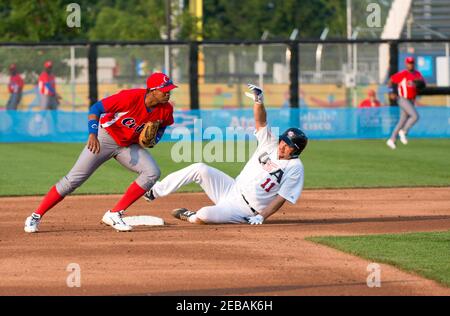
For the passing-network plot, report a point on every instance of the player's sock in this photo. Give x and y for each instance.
(133, 193)
(51, 199)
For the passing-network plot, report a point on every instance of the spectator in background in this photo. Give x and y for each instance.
(15, 88)
(47, 88)
(371, 100)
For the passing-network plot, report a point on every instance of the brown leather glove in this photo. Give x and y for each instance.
(147, 137)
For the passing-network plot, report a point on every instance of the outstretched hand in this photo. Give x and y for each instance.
(257, 95)
(255, 220)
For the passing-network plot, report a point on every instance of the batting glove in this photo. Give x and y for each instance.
(255, 220)
(258, 94)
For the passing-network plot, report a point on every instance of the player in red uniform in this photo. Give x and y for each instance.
(121, 118)
(371, 100)
(15, 87)
(408, 81)
(47, 88)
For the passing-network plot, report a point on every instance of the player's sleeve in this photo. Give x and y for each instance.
(49, 87)
(292, 187)
(265, 136)
(41, 82)
(396, 78)
(119, 102)
(420, 76)
(97, 108)
(21, 83)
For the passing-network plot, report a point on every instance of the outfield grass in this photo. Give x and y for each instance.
(427, 254)
(31, 168)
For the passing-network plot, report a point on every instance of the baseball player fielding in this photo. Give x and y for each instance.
(124, 117)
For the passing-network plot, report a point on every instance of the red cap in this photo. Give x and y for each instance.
(12, 67)
(159, 81)
(48, 64)
(410, 60)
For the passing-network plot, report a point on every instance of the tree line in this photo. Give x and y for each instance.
(46, 20)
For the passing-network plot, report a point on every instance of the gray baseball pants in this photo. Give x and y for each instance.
(49, 102)
(408, 117)
(134, 157)
(13, 101)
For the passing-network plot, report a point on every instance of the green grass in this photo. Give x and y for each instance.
(31, 168)
(427, 254)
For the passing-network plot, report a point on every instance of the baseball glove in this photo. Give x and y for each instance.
(420, 84)
(147, 137)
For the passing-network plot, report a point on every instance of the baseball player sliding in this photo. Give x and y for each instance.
(273, 175)
(130, 121)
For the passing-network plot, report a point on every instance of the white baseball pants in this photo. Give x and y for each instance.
(229, 206)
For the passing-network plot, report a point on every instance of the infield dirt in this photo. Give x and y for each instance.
(184, 259)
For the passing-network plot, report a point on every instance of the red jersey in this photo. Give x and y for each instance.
(126, 114)
(47, 84)
(405, 80)
(15, 84)
(369, 104)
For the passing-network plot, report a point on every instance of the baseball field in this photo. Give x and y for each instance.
(362, 204)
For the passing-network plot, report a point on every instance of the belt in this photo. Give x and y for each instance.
(253, 210)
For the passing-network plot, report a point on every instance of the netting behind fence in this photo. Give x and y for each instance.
(331, 75)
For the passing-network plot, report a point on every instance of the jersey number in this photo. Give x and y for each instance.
(266, 186)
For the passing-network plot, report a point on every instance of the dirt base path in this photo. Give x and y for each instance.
(184, 259)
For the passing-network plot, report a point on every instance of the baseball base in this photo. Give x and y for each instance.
(143, 220)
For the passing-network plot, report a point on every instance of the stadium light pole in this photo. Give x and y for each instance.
(355, 65)
(261, 60)
(72, 75)
(319, 50)
(349, 33)
(196, 10)
(447, 59)
(167, 50)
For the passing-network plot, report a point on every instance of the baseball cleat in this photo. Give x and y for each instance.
(32, 223)
(148, 196)
(391, 144)
(114, 219)
(402, 136)
(182, 213)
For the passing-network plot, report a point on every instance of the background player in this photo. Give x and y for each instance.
(408, 81)
(47, 88)
(371, 101)
(15, 87)
(273, 175)
(123, 117)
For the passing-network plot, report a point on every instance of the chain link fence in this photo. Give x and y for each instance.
(330, 74)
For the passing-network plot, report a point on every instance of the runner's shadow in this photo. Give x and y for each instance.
(331, 221)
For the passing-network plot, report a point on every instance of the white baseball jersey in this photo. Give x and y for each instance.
(264, 176)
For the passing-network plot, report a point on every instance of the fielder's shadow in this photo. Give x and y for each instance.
(103, 229)
(262, 289)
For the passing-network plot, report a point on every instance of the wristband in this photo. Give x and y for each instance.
(93, 127)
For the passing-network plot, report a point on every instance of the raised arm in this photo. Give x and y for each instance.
(259, 112)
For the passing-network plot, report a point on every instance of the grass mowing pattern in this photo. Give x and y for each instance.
(427, 254)
(31, 168)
